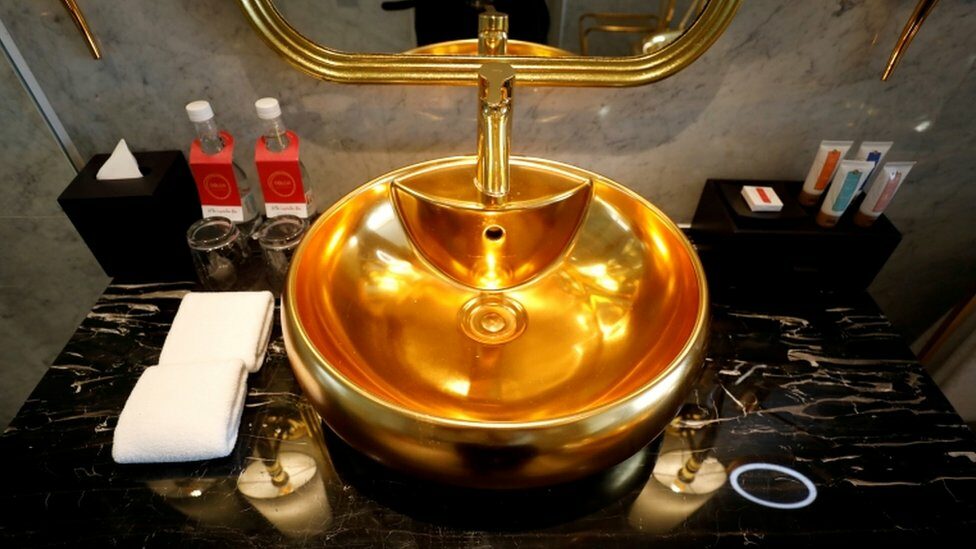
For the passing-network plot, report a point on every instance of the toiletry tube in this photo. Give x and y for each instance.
(873, 151)
(849, 178)
(824, 165)
(889, 180)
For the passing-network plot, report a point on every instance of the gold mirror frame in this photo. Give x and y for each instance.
(384, 68)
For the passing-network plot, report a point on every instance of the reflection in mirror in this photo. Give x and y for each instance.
(536, 27)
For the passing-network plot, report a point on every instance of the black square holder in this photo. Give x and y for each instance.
(136, 228)
(785, 250)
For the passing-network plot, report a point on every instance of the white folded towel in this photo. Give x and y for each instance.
(182, 412)
(219, 325)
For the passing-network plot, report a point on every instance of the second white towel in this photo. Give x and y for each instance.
(182, 412)
(220, 325)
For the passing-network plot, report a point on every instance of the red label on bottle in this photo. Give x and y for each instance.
(216, 181)
(281, 179)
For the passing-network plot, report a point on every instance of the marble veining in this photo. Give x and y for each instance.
(819, 386)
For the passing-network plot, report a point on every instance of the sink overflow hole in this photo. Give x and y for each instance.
(494, 232)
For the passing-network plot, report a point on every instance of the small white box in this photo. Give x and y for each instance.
(761, 199)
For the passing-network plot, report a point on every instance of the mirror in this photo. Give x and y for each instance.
(548, 42)
(610, 28)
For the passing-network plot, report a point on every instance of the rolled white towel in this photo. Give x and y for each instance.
(182, 412)
(219, 325)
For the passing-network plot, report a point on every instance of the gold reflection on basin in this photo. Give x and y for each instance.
(495, 345)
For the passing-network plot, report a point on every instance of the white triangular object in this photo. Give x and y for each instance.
(121, 165)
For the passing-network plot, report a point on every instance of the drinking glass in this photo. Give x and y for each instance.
(278, 237)
(219, 252)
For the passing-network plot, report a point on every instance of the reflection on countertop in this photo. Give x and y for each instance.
(820, 388)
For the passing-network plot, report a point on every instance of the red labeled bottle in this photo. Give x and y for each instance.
(284, 181)
(221, 184)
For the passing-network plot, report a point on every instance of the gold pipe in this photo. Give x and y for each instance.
(495, 83)
(492, 33)
(922, 10)
(79, 18)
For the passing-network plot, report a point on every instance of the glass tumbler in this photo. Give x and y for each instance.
(219, 252)
(278, 237)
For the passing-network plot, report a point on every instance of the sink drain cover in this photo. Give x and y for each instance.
(492, 319)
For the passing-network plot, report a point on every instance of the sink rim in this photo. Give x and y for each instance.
(296, 329)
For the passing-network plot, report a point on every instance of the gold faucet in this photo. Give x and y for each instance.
(495, 83)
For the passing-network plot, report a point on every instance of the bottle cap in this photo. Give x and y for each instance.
(199, 111)
(267, 108)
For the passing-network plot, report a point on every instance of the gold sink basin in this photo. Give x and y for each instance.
(523, 342)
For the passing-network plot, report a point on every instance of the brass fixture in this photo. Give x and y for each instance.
(79, 18)
(495, 84)
(492, 33)
(329, 64)
(922, 10)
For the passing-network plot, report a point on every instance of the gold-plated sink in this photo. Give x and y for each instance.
(492, 321)
(597, 347)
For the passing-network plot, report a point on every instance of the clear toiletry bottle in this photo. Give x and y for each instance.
(286, 192)
(211, 144)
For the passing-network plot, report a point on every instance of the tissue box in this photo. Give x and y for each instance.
(136, 228)
(784, 250)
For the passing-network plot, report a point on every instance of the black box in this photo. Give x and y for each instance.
(136, 228)
(787, 249)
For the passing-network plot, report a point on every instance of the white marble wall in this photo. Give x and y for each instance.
(48, 278)
(330, 22)
(784, 76)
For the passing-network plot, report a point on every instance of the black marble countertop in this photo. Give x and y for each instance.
(822, 388)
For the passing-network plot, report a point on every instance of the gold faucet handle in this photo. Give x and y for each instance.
(495, 83)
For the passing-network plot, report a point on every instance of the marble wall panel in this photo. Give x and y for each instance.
(48, 278)
(784, 76)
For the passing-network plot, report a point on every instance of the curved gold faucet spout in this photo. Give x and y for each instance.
(495, 83)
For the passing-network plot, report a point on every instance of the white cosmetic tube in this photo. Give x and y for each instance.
(824, 166)
(873, 151)
(850, 176)
(889, 180)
